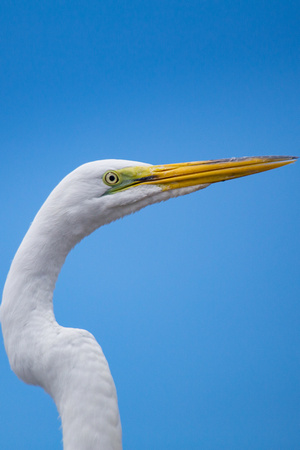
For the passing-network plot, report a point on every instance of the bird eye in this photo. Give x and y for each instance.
(111, 178)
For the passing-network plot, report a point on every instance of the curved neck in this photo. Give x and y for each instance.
(30, 283)
(68, 363)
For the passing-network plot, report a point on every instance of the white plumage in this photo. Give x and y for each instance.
(68, 363)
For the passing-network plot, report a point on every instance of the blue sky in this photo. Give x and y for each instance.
(195, 301)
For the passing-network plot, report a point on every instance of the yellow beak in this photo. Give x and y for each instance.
(174, 176)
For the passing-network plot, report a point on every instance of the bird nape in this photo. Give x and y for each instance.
(69, 363)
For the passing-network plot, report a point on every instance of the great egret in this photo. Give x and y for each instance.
(69, 363)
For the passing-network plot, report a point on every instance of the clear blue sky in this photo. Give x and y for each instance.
(195, 301)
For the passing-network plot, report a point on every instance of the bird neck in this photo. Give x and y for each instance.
(68, 363)
(30, 283)
(26, 312)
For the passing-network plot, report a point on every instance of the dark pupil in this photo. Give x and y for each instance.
(112, 178)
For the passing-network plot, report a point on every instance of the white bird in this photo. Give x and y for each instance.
(69, 363)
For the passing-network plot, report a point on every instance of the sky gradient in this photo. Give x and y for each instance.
(195, 302)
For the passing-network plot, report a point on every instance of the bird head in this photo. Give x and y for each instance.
(102, 191)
